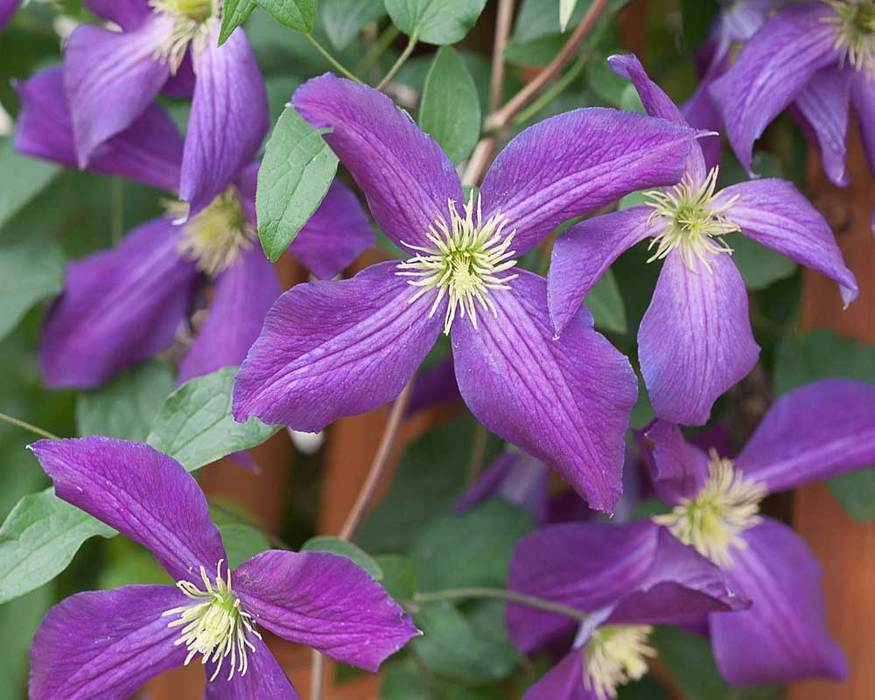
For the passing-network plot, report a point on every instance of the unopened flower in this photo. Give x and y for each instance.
(332, 349)
(820, 430)
(110, 643)
(124, 305)
(695, 340)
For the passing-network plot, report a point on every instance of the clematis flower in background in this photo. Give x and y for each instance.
(109, 643)
(7, 9)
(332, 349)
(123, 305)
(695, 340)
(622, 579)
(817, 431)
(168, 44)
(818, 57)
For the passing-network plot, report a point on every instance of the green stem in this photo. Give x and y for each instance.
(501, 594)
(18, 423)
(383, 42)
(411, 43)
(333, 61)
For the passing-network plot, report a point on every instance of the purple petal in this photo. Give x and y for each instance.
(700, 112)
(638, 570)
(118, 308)
(774, 213)
(264, 678)
(333, 349)
(142, 493)
(823, 105)
(433, 386)
(406, 177)
(563, 682)
(677, 468)
(863, 97)
(150, 150)
(518, 479)
(105, 644)
(228, 119)
(658, 104)
(566, 402)
(111, 68)
(815, 432)
(770, 70)
(336, 234)
(128, 14)
(326, 602)
(783, 637)
(244, 294)
(584, 252)
(578, 161)
(695, 339)
(7, 9)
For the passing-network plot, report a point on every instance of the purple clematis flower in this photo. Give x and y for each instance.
(126, 304)
(516, 478)
(332, 349)
(818, 57)
(7, 9)
(164, 44)
(102, 644)
(624, 579)
(695, 339)
(817, 431)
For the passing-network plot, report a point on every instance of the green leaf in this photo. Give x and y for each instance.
(606, 304)
(566, 8)
(399, 576)
(21, 179)
(343, 548)
(473, 648)
(295, 174)
(435, 21)
(759, 266)
(195, 425)
(822, 355)
(344, 19)
(697, 18)
(38, 541)
(31, 269)
(242, 542)
(125, 407)
(450, 107)
(297, 14)
(234, 13)
(469, 549)
(18, 622)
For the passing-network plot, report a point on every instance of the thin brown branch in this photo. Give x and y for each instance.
(317, 665)
(500, 119)
(502, 32)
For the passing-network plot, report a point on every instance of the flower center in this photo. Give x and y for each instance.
(464, 263)
(693, 224)
(615, 655)
(214, 625)
(192, 20)
(713, 521)
(855, 32)
(216, 236)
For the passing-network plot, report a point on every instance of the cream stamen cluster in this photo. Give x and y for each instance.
(854, 21)
(214, 626)
(465, 262)
(615, 655)
(192, 21)
(215, 237)
(712, 521)
(693, 224)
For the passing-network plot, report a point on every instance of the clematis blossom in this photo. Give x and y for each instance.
(817, 431)
(7, 9)
(695, 340)
(123, 305)
(333, 349)
(819, 58)
(623, 579)
(102, 644)
(169, 45)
